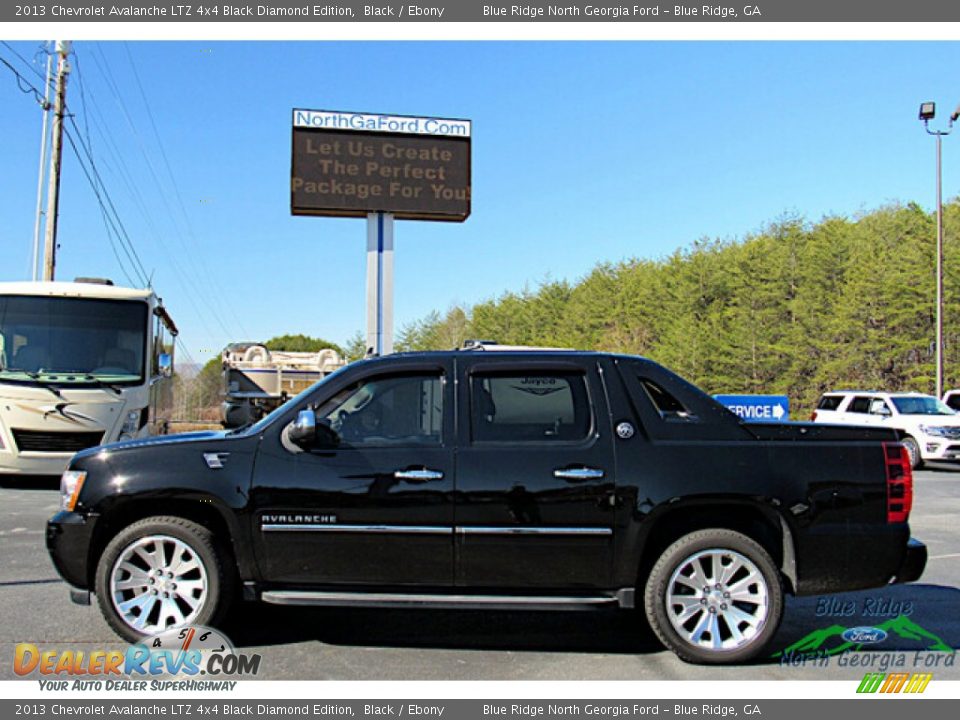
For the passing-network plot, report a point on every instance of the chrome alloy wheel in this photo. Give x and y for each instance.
(717, 599)
(158, 582)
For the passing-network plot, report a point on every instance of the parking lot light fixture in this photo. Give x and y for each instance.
(927, 113)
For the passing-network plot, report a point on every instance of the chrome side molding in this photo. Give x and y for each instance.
(523, 530)
(435, 529)
(440, 600)
(339, 528)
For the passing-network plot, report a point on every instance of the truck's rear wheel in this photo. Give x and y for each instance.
(714, 597)
(159, 573)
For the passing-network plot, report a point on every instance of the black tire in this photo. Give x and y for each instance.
(913, 451)
(216, 577)
(714, 546)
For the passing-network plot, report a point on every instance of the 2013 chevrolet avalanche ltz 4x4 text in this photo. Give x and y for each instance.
(509, 479)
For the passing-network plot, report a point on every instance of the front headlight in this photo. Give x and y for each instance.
(70, 484)
(935, 430)
(131, 423)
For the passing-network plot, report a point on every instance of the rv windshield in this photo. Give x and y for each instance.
(72, 340)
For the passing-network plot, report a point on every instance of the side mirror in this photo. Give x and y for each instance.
(303, 432)
(878, 407)
(308, 434)
(165, 364)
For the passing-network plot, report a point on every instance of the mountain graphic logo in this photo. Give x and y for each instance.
(830, 640)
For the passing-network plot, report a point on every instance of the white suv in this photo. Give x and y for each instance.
(952, 399)
(931, 429)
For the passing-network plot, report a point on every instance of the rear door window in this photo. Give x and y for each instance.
(529, 407)
(860, 404)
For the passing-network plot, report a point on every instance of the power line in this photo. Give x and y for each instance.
(114, 219)
(185, 351)
(131, 250)
(132, 188)
(26, 62)
(121, 234)
(83, 100)
(107, 223)
(126, 179)
(25, 86)
(175, 185)
(187, 278)
(115, 230)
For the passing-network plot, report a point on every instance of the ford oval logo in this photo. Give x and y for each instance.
(864, 635)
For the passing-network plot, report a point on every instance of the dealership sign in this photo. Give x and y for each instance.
(352, 164)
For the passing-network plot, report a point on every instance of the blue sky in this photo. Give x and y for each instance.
(582, 153)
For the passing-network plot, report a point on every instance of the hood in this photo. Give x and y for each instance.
(193, 437)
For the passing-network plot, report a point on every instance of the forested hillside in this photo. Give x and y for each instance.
(797, 309)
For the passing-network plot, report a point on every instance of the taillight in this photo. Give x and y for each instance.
(813, 417)
(899, 482)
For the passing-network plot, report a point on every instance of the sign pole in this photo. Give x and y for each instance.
(380, 283)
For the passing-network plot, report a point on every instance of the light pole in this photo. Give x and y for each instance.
(927, 112)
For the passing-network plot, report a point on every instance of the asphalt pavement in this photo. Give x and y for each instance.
(352, 644)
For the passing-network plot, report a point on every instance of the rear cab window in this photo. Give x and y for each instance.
(669, 407)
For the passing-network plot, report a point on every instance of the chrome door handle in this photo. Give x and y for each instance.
(578, 474)
(423, 475)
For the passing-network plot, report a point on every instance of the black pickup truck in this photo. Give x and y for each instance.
(493, 478)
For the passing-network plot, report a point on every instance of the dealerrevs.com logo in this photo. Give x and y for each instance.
(187, 658)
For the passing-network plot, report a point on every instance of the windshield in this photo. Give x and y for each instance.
(72, 340)
(924, 405)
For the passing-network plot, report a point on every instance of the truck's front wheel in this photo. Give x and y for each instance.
(159, 573)
(714, 596)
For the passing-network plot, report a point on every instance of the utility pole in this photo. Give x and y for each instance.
(41, 175)
(56, 153)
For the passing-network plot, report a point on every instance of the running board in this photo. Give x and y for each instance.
(622, 598)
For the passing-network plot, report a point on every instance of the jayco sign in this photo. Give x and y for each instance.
(757, 408)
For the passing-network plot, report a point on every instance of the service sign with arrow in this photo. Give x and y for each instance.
(757, 408)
